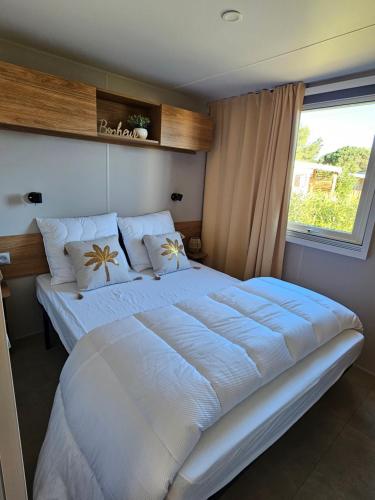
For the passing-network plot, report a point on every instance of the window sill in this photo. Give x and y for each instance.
(329, 245)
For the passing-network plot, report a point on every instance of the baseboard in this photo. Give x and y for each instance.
(26, 335)
(365, 369)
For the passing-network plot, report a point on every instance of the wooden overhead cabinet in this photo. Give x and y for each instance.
(37, 102)
(41, 102)
(184, 129)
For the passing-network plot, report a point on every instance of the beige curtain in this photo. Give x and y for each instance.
(248, 179)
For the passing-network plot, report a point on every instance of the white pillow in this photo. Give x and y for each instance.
(134, 228)
(98, 263)
(166, 252)
(57, 232)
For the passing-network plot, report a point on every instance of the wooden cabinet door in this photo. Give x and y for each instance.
(34, 100)
(183, 129)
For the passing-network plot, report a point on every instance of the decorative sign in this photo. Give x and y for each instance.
(104, 129)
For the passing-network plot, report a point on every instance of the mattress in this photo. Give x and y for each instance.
(72, 317)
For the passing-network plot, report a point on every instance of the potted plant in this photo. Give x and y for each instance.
(139, 124)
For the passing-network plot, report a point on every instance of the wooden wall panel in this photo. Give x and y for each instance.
(34, 100)
(28, 256)
(185, 129)
(189, 228)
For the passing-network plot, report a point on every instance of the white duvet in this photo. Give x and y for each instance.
(138, 393)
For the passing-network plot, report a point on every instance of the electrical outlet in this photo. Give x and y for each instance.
(4, 258)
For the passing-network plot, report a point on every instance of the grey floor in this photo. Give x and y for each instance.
(329, 454)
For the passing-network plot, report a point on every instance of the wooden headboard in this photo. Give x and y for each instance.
(28, 257)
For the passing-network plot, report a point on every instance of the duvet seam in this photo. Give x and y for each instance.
(180, 307)
(97, 354)
(77, 445)
(281, 307)
(139, 410)
(306, 296)
(183, 357)
(216, 299)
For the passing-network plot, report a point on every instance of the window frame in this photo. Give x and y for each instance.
(358, 242)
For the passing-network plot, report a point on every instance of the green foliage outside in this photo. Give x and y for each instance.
(336, 210)
(305, 150)
(319, 210)
(351, 158)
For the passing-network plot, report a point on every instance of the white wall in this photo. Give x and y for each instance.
(81, 177)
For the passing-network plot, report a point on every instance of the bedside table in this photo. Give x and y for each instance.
(197, 256)
(5, 292)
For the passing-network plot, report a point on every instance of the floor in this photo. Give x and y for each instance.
(329, 454)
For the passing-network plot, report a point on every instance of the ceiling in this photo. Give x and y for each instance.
(186, 46)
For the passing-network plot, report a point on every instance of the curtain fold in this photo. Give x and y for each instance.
(248, 179)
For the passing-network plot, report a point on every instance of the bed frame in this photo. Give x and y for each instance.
(47, 326)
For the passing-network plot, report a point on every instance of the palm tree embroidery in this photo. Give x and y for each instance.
(99, 257)
(173, 249)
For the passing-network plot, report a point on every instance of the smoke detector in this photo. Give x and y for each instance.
(231, 16)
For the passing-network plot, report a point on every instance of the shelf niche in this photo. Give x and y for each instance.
(115, 108)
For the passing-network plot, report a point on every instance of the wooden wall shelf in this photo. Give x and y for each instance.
(117, 139)
(36, 102)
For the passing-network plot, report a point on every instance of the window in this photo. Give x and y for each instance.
(334, 177)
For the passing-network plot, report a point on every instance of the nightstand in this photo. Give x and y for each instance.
(5, 292)
(197, 256)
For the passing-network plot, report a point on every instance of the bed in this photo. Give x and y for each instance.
(77, 463)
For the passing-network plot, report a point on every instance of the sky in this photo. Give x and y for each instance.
(350, 125)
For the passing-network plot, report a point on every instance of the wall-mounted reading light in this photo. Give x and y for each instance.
(34, 197)
(177, 196)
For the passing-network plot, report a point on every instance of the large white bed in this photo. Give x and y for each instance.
(232, 441)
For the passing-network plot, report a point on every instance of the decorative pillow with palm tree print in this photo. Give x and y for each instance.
(98, 262)
(166, 252)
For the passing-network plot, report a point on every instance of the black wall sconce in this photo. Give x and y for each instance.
(177, 196)
(34, 197)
